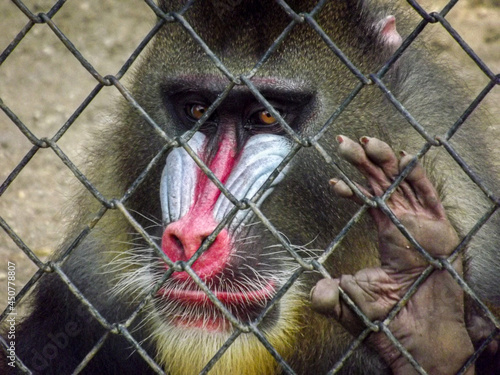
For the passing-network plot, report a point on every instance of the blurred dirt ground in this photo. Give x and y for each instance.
(43, 84)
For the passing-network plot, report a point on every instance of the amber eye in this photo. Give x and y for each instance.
(196, 111)
(262, 121)
(267, 118)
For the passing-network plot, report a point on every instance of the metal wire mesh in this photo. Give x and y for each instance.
(300, 142)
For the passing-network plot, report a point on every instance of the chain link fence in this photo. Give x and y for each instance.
(34, 20)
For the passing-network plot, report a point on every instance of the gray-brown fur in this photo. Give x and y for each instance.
(302, 207)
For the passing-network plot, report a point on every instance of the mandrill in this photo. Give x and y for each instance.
(234, 161)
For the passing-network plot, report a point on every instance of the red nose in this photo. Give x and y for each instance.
(184, 237)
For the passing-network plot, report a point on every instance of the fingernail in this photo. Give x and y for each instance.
(333, 181)
(312, 292)
(402, 153)
(364, 140)
(339, 139)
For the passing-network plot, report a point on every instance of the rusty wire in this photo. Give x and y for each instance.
(376, 78)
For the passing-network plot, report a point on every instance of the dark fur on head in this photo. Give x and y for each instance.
(302, 207)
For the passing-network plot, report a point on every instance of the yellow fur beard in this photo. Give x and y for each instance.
(186, 351)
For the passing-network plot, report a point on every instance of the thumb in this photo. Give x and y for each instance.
(325, 298)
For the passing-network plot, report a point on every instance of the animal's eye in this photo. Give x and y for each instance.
(262, 121)
(266, 118)
(196, 111)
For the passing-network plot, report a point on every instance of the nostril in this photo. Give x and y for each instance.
(176, 241)
(176, 244)
(182, 238)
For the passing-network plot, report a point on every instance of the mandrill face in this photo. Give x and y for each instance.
(243, 206)
(223, 266)
(218, 217)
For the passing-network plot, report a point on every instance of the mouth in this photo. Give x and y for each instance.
(190, 307)
(238, 298)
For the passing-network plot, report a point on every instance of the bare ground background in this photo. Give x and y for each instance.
(43, 84)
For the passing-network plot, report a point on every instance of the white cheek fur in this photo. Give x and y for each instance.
(178, 180)
(260, 156)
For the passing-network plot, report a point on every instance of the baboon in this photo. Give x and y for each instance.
(222, 123)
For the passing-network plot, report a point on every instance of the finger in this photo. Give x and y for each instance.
(424, 190)
(355, 154)
(382, 155)
(325, 297)
(343, 190)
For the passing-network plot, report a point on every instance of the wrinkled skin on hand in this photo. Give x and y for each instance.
(431, 326)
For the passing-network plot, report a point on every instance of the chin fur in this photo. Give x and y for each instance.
(183, 350)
